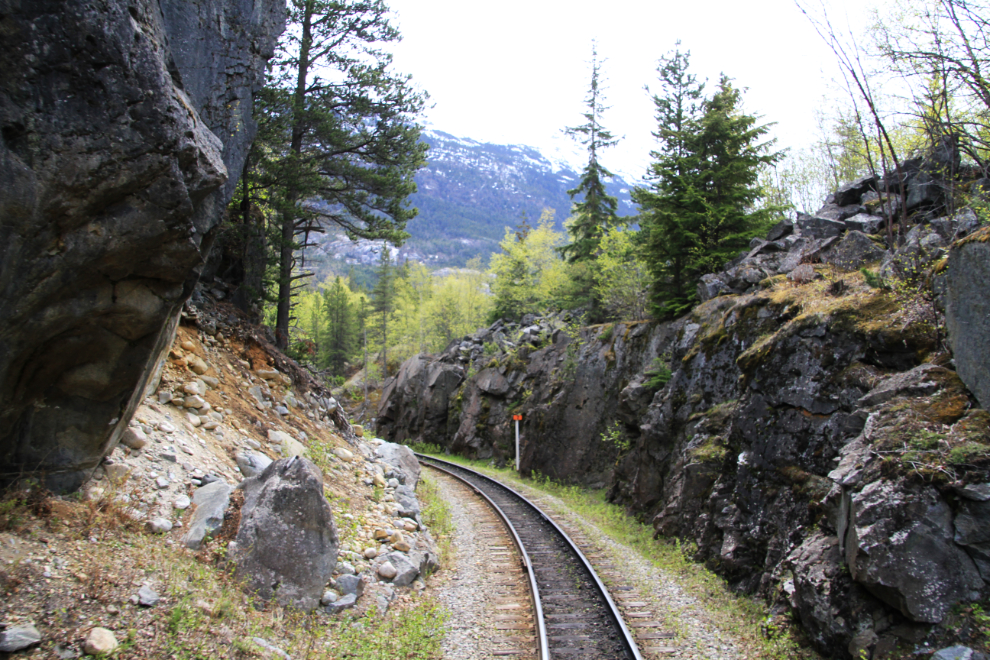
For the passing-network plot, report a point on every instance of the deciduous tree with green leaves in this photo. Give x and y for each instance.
(529, 274)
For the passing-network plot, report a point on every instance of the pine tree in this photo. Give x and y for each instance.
(731, 153)
(596, 211)
(698, 211)
(346, 146)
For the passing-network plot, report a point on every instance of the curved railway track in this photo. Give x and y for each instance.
(575, 617)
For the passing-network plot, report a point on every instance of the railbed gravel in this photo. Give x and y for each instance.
(698, 636)
(465, 592)
(469, 600)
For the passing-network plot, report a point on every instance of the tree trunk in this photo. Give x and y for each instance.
(288, 218)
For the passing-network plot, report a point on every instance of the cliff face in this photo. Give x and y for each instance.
(568, 383)
(124, 127)
(812, 441)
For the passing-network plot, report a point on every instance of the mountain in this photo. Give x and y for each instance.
(469, 192)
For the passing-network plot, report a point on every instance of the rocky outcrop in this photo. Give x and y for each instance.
(802, 428)
(286, 546)
(570, 384)
(967, 310)
(124, 127)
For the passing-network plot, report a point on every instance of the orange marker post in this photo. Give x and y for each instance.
(517, 419)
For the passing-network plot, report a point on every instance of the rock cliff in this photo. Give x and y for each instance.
(124, 126)
(802, 431)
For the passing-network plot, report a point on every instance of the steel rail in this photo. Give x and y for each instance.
(627, 638)
(541, 628)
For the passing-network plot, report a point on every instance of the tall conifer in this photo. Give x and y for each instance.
(698, 211)
(596, 211)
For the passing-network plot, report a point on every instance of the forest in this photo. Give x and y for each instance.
(338, 124)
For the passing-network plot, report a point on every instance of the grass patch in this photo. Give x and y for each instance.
(437, 516)
(742, 617)
(416, 632)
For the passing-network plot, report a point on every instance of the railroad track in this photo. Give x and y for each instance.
(574, 617)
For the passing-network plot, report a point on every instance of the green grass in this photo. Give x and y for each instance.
(745, 619)
(415, 632)
(437, 517)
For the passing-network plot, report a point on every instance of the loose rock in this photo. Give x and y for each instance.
(100, 640)
(15, 638)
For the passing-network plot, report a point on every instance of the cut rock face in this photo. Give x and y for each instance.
(286, 547)
(109, 204)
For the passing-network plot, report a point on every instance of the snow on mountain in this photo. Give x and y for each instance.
(470, 192)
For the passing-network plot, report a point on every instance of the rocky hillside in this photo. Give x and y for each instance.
(239, 495)
(803, 431)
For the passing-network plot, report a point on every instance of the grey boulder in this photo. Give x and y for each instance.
(211, 502)
(405, 571)
(401, 457)
(252, 463)
(967, 312)
(18, 637)
(899, 545)
(350, 584)
(286, 547)
(812, 226)
(853, 251)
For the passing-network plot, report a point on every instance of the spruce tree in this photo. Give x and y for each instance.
(668, 203)
(340, 333)
(596, 210)
(698, 211)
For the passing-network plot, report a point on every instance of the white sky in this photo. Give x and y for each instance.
(517, 71)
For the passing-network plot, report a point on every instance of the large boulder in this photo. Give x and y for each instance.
(401, 457)
(125, 124)
(210, 502)
(854, 250)
(899, 545)
(287, 543)
(967, 311)
(812, 226)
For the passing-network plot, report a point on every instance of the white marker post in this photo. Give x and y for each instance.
(517, 419)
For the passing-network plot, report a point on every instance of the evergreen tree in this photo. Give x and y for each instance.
(596, 211)
(670, 198)
(343, 146)
(383, 300)
(698, 211)
(340, 334)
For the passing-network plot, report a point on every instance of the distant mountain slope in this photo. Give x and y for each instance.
(469, 192)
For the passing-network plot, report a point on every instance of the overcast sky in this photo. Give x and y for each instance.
(517, 71)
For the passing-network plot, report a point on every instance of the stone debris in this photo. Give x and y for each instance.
(17, 637)
(147, 597)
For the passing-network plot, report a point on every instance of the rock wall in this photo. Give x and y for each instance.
(569, 384)
(812, 441)
(967, 310)
(124, 126)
